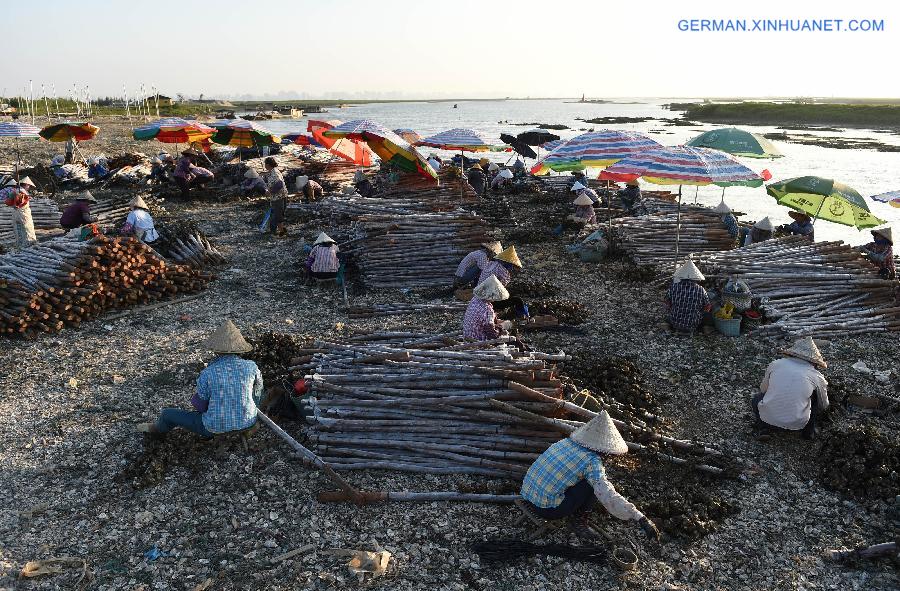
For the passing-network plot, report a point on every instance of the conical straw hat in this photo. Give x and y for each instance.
(807, 350)
(600, 435)
(493, 247)
(139, 202)
(764, 224)
(322, 238)
(227, 340)
(583, 200)
(577, 186)
(506, 173)
(491, 290)
(722, 207)
(799, 215)
(688, 271)
(493, 167)
(884, 232)
(86, 196)
(27, 181)
(251, 174)
(509, 256)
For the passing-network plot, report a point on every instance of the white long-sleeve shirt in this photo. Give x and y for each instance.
(788, 385)
(143, 225)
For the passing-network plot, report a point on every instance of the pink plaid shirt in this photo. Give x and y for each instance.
(476, 257)
(478, 323)
(323, 259)
(494, 268)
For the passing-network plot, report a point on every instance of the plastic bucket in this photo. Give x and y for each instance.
(729, 328)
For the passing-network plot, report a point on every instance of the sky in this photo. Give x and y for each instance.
(445, 49)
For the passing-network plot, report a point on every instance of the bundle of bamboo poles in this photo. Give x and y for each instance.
(44, 214)
(401, 401)
(63, 282)
(811, 288)
(185, 243)
(396, 309)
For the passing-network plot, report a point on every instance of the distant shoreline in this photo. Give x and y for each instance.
(869, 116)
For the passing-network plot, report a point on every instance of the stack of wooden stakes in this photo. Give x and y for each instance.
(44, 214)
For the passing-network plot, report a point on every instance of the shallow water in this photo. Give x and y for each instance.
(868, 171)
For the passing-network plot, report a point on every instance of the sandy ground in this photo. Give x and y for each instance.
(68, 449)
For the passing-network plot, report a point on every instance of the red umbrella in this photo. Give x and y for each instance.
(353, 151)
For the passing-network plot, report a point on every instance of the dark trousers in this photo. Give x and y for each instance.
(170, 418)
(277, 217)
(469, 278)
(580, 496)
(808, 430)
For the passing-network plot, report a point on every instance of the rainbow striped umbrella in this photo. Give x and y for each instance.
(461, 139)
(241, 132)
(17, 130)
(63, 132)
(892, 198)
(408, 134)
(389, 146)
(174, 130)
(594, 149)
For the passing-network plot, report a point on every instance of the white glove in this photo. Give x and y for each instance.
(506, 325)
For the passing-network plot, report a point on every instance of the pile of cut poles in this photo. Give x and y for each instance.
(436, 404)
(396, 309)
(44, 214)
(185, 243)
(824, 289)
(63, 282)
(650, 239)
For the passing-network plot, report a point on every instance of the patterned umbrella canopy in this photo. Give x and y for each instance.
(16, 129)
(825, 199)
(241, 132)
(596, 149)
(892, 198)
(350, 150)
(408, 134)
(683, 165)
(736, 141)
(389, 146)
(174, 130)
(461, 139)
(63, 132)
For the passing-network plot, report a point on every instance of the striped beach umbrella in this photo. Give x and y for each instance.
(63, 132)
(737, 142)
(892, 198)
(825, 199)
(594, 149)
(174, 130)
(243, 133)
(461, 139)
(409, 135)
(389, 146)
(355, 151)
(18, 130)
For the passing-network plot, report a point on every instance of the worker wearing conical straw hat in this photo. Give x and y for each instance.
(252, 183)
(881, 252)
(471, 265)
(760, 232)
(566, 480)
(503, 266)
(584, 209)
(801, 226)
(501, 179)
(581, 188)
(728, 219)
(139, 222)
(793, 391)
(686, 300)
(480, 322)
(17, 196)
(476, 178)
(78, 213)
(630, 196)
(323, 261)
(228, 390)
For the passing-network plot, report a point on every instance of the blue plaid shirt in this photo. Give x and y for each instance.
(730, 224)
(687, 301)
(232, 386)
(563, 465)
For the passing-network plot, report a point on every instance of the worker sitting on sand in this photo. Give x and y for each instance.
(793, 391)
(480, 322)
(228, 391)
(278, 194)
(801, 226)
(17, 196)
(881, 252)
(567, 478)
(79, 212)
(686, 300)
(253, 184)
(323, 262)
(476, 179)
(188, 175)
(760, 232)
(630, 196)
(139, 222)
(310, 189)
(584, 210)
(470, 267)
(728, 219)
(503, 266)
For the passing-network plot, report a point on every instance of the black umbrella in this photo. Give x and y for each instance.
(536, 137)
(517, 145)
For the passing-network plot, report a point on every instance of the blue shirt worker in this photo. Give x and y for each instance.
(686, 299)
(728, 219)
(801, 226)
(566, 479)
(228, 391)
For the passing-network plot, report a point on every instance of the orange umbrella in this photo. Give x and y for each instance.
(353, 151)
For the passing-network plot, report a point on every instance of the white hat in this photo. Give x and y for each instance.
(139, 202)
(227, 340)
(583, 200)
(764, 224)
(688, 271)
(494, 247)
(323, 238)
(600, 435)
(577, 186)
(722, 207)
(884, 232)
(807, 350)
(301, 181)
(58, 160)
(251, 174)
(10, 183)
(491, 290)
(506, 173)
(27, 181)
(493, 167)
(94, 161)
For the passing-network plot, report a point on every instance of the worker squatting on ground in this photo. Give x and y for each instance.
(477, 179)
(793, 391)
(501, 179)
(323, 262)
(310, 189)
(760, 232)
(473, 263)
(881, 252)
(728, 219)
(139, 222)
(565, 480)
(188, 175)
(78, 213)
(480, 322)
(584, 210)
(17, 196)
(228, 391)
(253, 184)
(582, 189)
(801, 226)
(686, 300)
(503, 266)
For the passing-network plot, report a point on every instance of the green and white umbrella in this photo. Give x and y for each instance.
(737, 142)
(824, 199)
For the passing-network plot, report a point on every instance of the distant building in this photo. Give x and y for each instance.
(164, 101)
